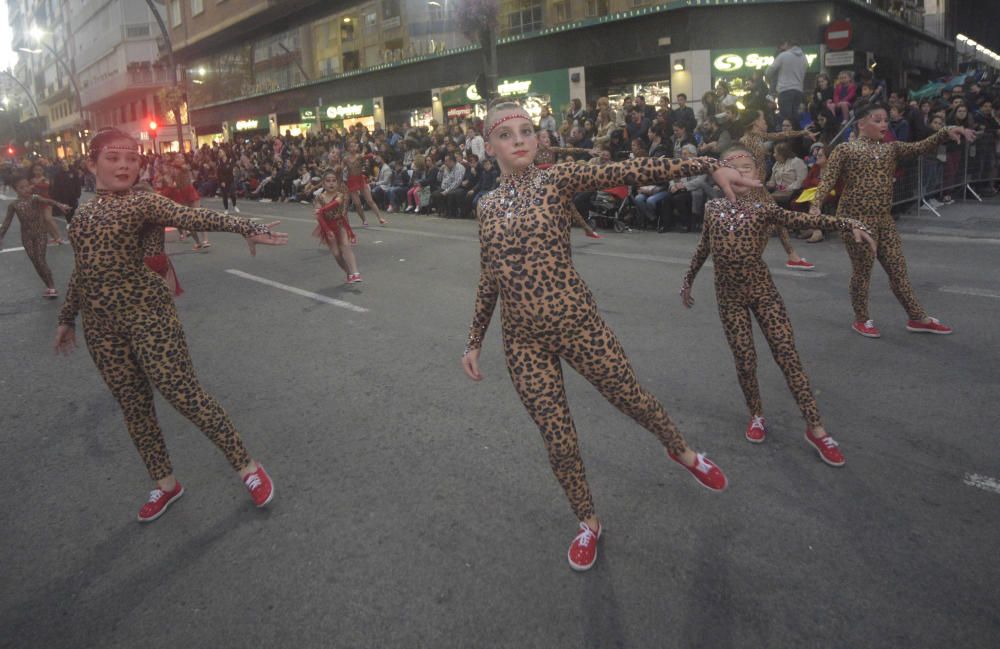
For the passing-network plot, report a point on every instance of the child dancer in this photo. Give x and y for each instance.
(40, 186)
(357, 183)
(755, 140)
(735, 234)
(30, 215)
(130, 322)
(866, 165)
(334, 229)
(547, 311)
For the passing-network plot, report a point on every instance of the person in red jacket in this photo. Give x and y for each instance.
(844, 94)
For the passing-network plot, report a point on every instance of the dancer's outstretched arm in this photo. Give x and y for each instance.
(163, 211)
(51, 203)
(777, 215)
(930, 144)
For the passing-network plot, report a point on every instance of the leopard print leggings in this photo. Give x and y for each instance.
(35, 248)
(769, 310)
(152, 352)
(890, 256)
(593, 350)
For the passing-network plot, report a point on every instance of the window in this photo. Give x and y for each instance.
(561, 12)
(352, 61)
(197, 6)
(137, 31)
(390, 14)
(597, 8)
(371, 23)
(524, 17)
(347, 31)
(175, 13)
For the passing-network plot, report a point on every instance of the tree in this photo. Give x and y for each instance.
(479, 20)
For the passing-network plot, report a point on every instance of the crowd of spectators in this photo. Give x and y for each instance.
(445, 168)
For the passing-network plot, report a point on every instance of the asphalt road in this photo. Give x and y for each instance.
(415, 508)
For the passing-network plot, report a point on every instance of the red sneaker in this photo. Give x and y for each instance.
(260, 486)
(827, 448)
(583, 550)
(932, 327)
(158, 502)
(594, 235)
(50, 293)
(801, 264)
(757, 430)
(354, 279)
(705, 471)
(867, 329)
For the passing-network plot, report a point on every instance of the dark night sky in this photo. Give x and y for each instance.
(980, 20)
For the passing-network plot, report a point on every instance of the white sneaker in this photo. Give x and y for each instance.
(935, 203)
(226, 210)
(265, 200)
(236, 209)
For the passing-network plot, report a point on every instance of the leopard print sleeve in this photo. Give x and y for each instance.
(71, 306)
(777, 215)
(573, 178)
(831, 174)
(704, 247)
(923, 147)
(160, 210)
(486, 301)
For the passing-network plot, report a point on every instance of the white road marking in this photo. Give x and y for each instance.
(977, 292)
(10, 250)
(982, 482)
(298, 291)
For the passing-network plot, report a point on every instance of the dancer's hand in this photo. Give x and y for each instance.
(727, 178)
(810, 135)
(470, 363)
(686, 298)
(272, 239)
(814, 211)
(958, 132)
(65, 340)
(860, 235)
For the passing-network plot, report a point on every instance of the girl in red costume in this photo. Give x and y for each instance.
(334, 229)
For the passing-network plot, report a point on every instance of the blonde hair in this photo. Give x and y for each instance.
(497, 106)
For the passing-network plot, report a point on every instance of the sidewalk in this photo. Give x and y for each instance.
(968, 218)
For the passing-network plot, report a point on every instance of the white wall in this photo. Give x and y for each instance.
(696, 78)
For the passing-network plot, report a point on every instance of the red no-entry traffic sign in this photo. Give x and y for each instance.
(839, 34)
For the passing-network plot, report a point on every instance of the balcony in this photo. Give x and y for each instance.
(136, 81)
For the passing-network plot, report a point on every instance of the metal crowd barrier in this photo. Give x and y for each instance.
(963, 173)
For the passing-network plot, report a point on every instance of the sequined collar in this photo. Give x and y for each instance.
(521, 178)
(107, 193)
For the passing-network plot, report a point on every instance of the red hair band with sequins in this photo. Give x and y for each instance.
(522, 115)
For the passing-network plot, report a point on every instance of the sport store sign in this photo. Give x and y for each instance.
(346, 110)
(742, 63)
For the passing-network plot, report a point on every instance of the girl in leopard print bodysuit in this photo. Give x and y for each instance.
(547, 312)
(735, 234)
(130, 322)
(867, 166)
(31, 216)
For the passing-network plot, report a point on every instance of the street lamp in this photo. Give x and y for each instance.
(38, 34)
(34, 106)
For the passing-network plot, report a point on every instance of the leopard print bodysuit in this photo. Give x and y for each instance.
(756, 144)
(130, 322)
(34, 232)
(547, 311)
(735, 234)
(867, 168)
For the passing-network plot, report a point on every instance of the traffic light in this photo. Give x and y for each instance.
(10, 150)
(152, 126)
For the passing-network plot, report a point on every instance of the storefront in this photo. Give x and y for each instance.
(298, 123)
(347, 114)
(737, 66)
(250, 126)
(550, 88)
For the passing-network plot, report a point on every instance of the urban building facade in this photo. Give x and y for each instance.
(265, 66)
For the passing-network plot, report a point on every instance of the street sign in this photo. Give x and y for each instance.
(839, 34)
(837, 59)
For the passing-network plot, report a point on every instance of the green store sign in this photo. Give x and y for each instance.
(307, 114)
(552, 84)
(251, 124)
(732, 63)
(345, 110)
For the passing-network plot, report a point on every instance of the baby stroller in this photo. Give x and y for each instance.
(613, 208)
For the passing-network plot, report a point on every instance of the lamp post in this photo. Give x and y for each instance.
(173, 71)
(37, 34)
(34, 106)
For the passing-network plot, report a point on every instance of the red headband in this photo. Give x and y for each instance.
(737, 157)
(504, 119)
